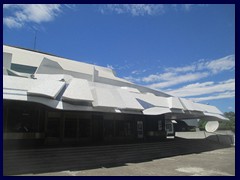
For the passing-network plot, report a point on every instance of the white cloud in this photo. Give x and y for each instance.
(217, 65)
(145, 9)
(187, 7)
(198, 89)
(176, 75)
(134, 9)
(228, 94)
(204, 91)
(136, 72)
(71, 6)
(132, 79)
(159, 77)
(214, 66)
(173, 76)
(6, 6)
(177, 79)
(11, 22)
(24, 13)
(222, 64)
(182, 69)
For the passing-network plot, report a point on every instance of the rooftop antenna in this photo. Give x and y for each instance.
(35, 40)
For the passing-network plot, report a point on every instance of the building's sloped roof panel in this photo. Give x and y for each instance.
(152, 99)
(212, 116)
(194, 106)
(78, 90)
(48, 88)
(7, 59)
(128, 99)
(209, 108)
(130, 89)
(189, 105)
(55, 77)
(156, 111)
(13, 82)
(106, 97)
(175, 103)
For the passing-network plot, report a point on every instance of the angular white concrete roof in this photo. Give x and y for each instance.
(69, 85)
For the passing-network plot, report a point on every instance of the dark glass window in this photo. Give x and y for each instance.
(53, 127)
(124, 128)
(108, 128)
(22, 117)
(84, 128)
(23, 68)
(70, 128)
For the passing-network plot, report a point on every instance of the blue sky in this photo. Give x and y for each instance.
(187, 50)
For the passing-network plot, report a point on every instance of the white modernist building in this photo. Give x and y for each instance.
(60, 100)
